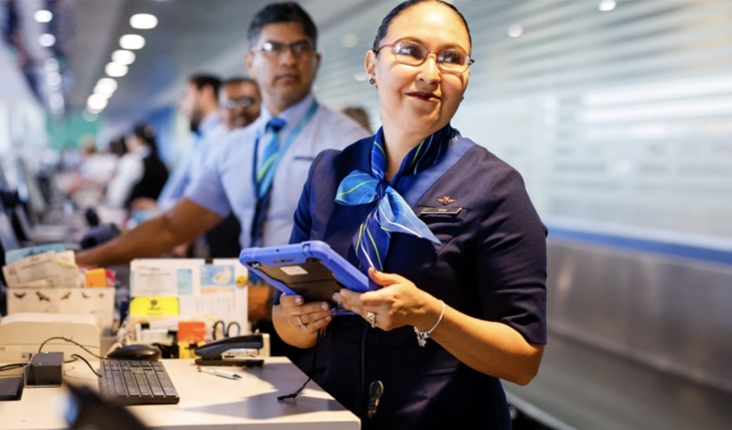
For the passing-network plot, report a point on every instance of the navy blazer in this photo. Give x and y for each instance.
(491, 264)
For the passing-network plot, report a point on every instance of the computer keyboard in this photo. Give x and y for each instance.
(134, 382)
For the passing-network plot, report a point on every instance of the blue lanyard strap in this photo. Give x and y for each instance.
(262, 186)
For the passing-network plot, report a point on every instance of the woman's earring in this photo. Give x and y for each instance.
(372, 81)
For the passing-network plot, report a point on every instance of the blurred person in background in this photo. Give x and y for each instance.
(127, 172)
(154, 172)
(89, 174)
(240, 105)
(200, 106)
(139, 172)
(95, 166)
(240, 102)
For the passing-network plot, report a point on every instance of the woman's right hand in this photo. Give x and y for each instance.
(305, 318)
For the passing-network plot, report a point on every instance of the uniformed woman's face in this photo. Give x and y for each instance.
(421, 98)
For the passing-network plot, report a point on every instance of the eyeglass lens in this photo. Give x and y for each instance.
(277, 48)
(243, 102)
(414, 54)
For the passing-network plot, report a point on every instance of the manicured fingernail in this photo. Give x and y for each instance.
(328, 318)
(298, 300)
(337, 297)
(325, 306)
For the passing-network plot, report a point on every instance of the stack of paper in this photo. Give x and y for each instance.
(46, 279)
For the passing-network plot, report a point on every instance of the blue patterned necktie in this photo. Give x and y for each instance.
(392, 214)
(266, 171)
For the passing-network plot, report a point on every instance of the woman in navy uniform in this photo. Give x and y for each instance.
(444, 226)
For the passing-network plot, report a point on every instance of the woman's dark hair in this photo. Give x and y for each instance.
(118, 146)
(282, 12)
(146, 134)
(386, 22)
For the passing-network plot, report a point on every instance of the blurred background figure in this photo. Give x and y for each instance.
(96, 166)
(240, 101)
(154, 171)
(200, 106)
(360, 115)
(140, 173)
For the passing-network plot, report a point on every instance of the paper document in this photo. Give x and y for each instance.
(154, 281)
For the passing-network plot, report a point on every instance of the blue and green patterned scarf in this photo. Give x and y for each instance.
(392, 214)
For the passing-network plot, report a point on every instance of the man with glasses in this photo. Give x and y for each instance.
(259, 171)
(240, 102)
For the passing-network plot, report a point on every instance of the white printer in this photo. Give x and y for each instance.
(23, 333)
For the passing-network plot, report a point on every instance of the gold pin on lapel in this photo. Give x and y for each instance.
(446, 200)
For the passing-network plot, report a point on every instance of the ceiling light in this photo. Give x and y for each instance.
(95, 102)
(47, 40)
(607, 5)
(56, 101)
(105, 86)
(43, 16)
(515, 30)
(123, 56)
(143, 21)
(116, 70)
(53, 80)
(131, 41)
(51, 65)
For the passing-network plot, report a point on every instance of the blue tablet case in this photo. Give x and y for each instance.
(311, 269)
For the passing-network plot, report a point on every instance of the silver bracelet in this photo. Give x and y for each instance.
(422, 336)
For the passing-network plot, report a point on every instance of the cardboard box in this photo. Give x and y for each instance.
(98, 302)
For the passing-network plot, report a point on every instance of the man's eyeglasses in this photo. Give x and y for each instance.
(301, 47)
(244, 102)
(410, 53)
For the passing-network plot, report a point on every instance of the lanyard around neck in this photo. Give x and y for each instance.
(283, 148)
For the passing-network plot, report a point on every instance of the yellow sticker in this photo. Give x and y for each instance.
(153, 305)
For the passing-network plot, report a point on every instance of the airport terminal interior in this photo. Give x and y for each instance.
(616, 113)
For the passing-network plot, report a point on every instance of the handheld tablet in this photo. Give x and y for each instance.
(311, 269)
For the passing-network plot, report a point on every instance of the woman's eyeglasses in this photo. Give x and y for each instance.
(413, 54)
(244, 102)
(276, 49)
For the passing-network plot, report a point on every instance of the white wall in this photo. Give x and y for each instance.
(620, 118)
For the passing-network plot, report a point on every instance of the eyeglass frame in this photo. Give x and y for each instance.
(237, 102)
(284, 47)
(470, 59)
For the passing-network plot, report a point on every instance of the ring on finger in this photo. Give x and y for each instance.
(302, 325)
(371, 318)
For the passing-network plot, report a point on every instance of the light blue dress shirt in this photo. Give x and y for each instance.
(226, 183)
(211, 131)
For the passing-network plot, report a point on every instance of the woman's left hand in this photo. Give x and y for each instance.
(398, 304)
